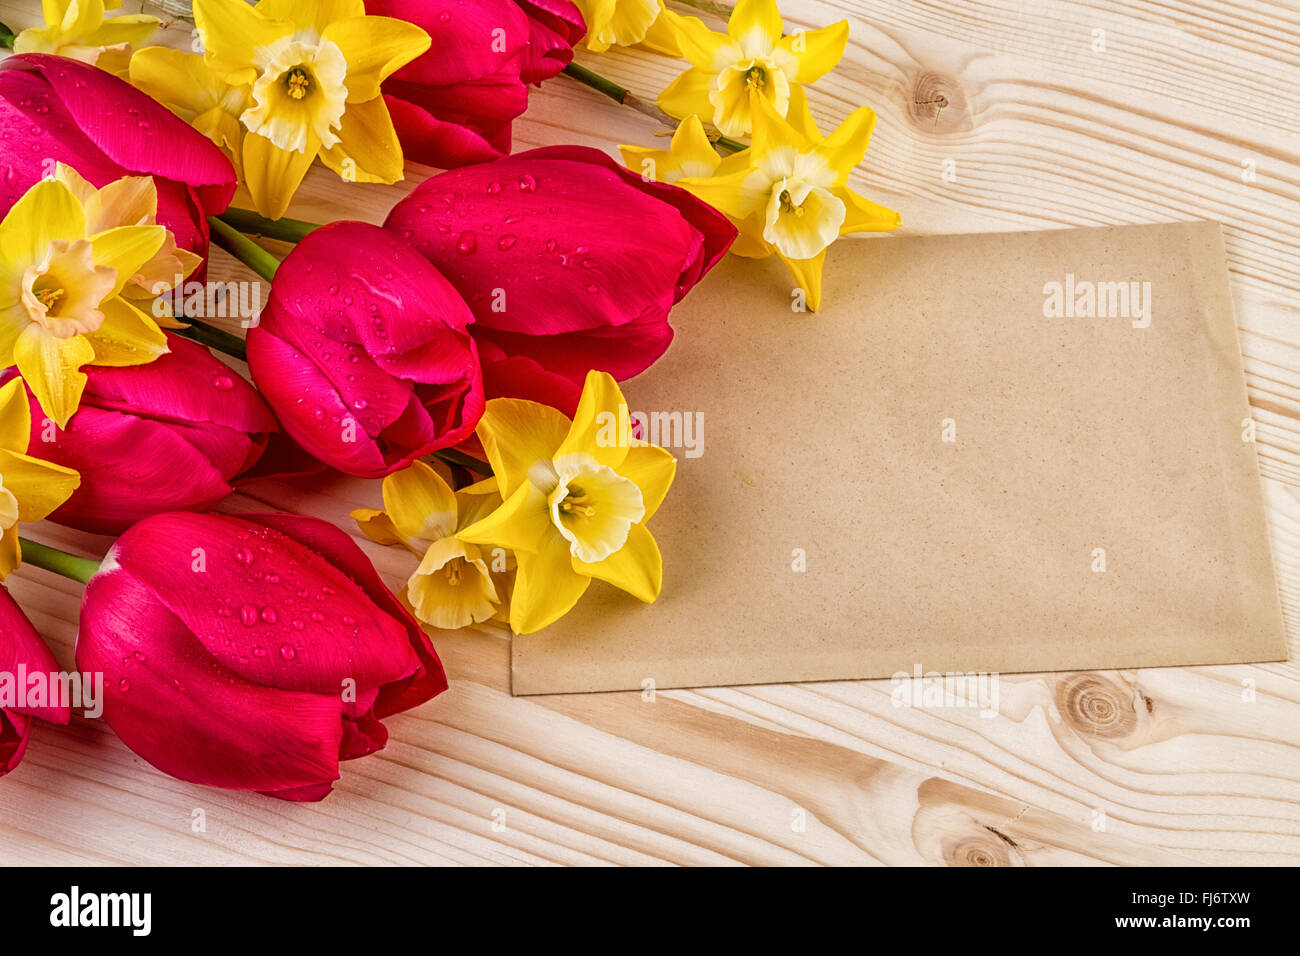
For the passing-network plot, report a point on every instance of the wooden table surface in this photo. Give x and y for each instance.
(1049, 114)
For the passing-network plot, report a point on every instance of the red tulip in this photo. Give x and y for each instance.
(454, 104)
(22, 651)
(167, 436)
(364, 353)
(565, 257)
(556, 25)
(53, 109)
(250, 653)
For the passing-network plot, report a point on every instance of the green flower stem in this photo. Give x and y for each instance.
(60, 562)
(626, 97)
(6, 37)
(286, 230)
(453, 457)
(215, 338)
(244, 249)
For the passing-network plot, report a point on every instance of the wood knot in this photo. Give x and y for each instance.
(938, 105)
(979, 850)
(1098, 706)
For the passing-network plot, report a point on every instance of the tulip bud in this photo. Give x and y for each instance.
(364, 353)
(555, 25)
(250, 653)
(565, 258)
(167, 436)
(22, 652)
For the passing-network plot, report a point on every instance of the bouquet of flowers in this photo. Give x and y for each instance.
(465, 355)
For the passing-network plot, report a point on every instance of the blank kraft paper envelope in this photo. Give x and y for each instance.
(961, 464)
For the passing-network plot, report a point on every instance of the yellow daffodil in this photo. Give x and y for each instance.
(791, 196)
(132, 201)
(751, 61)
(577, 496)
(79, 30)
(61, 303)
(627, 23)
(185, 84)
(689, 154)
(454, 585)
(29, 487)
(311, 70)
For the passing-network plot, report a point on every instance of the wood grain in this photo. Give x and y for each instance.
(1161, 766)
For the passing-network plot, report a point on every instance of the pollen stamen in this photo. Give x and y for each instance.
(298, 82)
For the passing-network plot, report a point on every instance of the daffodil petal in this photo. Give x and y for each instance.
(374, 47)
(863, 215)
(546, 588)
(40, 486)
(601, 427)
(800, 117)
(688, 95)
(127, 337)
(52, 369)
(821, 50)
(130, 28)
(760, 15)
(231, 30)
(367, 150)
(10, 551)
(807, 274)
(522, 523)
(652, 469)
(126, 249)
(723, 193)
(420, 503)
(15, 416)
(311, 14)
(272, 174)
(694, 41)
(845, 147)
(516, 434)
(438, 601)
(377, 526)
(637, 567)
(46, 212)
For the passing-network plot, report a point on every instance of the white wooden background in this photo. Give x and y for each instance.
(1044, 131)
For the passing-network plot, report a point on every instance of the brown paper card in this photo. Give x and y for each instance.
(1076, 439)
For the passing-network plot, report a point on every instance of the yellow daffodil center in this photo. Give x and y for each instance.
(591, 505)
(300, 93)
(63, 291)
(801, 214)
(755, 66)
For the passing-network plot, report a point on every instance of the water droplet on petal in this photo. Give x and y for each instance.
(466, 244)
(248, 615)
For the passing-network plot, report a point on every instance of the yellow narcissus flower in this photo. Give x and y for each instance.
(689, 154)
(577, 498)
(29, 487)
(453, 586)
(627, 23)
(61, 302)
(184, 84)
(751, 61)
(133, 201)
(791, 195)
(313, 70)
(79, 30)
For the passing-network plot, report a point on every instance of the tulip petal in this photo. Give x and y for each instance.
(435, 142)
(188, 715)
(637, 567)
(266, 606)
(20, 645)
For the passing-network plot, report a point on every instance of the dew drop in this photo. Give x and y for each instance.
(466, 244)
